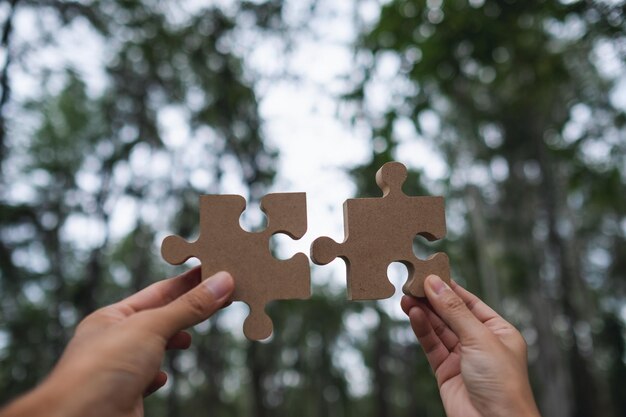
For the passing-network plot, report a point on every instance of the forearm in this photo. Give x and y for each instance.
(57, 396)
(40, 402)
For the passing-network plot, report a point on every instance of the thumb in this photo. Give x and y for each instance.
(452, 310)
(194, 306)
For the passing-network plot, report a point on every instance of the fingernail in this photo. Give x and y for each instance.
(219, 284)
(436, 284)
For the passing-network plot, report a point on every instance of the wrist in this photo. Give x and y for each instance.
(527, 405)
(520, 405)
(527, 408)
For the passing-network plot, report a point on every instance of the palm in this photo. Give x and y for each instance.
(456, 398)
(102, 328)
(454, 393)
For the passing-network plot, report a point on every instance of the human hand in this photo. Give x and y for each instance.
(113, 360)
(479, 359)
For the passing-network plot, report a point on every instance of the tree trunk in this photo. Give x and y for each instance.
(173, 402)
(212, 361)
(577, 305)
(489, 283)
(381, 379)
(551, 367)
(5, 43)
(256, 376)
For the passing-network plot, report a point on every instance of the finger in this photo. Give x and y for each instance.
(163, 292)
(452, 310)
(407, 303)
(181, 340)
(441, 329)
(434, 349)
(159, 380)
(489, 317)
(192, 307)
(481, 310)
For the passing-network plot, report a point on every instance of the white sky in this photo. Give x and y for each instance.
(316, 145)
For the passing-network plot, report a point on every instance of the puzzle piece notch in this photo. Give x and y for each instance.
(224, 245)
(437, 264)
(379, 231)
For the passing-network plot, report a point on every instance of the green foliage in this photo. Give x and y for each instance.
(520, 86)
(512, 97)
(86, 156)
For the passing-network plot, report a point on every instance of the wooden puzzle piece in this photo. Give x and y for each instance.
(379, 231)
(224, 246)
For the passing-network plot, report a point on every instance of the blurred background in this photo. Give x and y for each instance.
(115, 115)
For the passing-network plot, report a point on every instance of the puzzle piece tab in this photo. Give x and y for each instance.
(224, 246)
(379, 231)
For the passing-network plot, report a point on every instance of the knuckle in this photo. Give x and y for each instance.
(521, 342)
(97, 314)
(439, 328)
(92, 319)
(84, 324)
(454, 304)
(199, 302)
(472, 303)
(164, 296)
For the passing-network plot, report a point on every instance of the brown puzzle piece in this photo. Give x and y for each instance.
(379, 231)
(224, 246)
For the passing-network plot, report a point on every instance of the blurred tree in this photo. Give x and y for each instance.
(79, 160)
(86, 156)
(517, 99)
